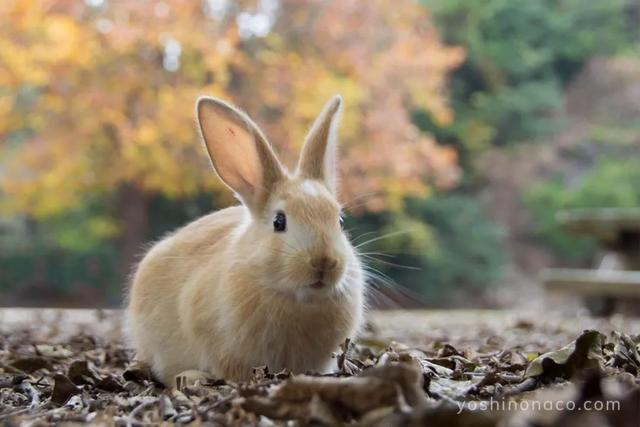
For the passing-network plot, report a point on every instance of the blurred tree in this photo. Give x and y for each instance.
(520, 56)
(595, 162)
(441, 247)
(97, 98)
(612, 182)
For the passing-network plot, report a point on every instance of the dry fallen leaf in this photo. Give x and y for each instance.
(63, 389)
(383, 384)
(31, 364)
(582, 354)
(53, 351)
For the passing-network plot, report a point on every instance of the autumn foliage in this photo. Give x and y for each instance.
(98, 95)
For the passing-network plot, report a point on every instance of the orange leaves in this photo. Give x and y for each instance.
(108, 92)
(386, 60)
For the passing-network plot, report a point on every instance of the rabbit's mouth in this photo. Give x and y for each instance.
(318, 285)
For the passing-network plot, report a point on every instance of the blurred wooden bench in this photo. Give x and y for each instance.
(587, 282)
(617, 276)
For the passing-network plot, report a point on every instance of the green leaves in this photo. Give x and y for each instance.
(613, 183)
(520, 55)
(444, 241)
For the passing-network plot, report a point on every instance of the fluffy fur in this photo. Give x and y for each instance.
(226, 293)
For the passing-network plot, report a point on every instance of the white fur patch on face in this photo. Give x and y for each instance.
(311, 188)
(297, 237)
(278, 205)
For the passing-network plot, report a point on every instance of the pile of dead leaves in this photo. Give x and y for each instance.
(86, 379)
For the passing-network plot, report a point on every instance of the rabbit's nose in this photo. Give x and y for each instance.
(324, 263)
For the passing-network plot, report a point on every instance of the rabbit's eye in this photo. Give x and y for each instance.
(280, 222)
(341, 220)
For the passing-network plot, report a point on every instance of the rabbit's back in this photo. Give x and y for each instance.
(167, 271)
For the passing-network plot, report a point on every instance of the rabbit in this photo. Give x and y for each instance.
(273, 281)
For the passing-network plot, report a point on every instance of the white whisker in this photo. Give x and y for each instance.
(384, 236)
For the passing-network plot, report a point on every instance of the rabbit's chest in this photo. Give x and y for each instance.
(298, 337)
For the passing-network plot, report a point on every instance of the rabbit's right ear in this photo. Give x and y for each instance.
(239, 152)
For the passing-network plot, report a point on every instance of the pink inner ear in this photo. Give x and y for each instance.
(232, 149)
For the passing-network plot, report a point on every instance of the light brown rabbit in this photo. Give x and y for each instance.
(273, 281)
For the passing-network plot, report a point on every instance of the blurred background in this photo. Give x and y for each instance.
(468, 126)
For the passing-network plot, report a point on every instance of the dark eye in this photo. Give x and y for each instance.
(280, 222)
(341, 220)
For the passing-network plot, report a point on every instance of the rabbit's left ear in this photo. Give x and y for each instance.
(318, 158)
(239, 152)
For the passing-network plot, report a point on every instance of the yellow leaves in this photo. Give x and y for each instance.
(44, 191)
(63, 40)
(52, 103)
(410, 236)
(387, 61)
(18, 67)
(6, 104)
(106, 112)
(147, 134)
(395, 192)
(33, 43)
(102, 227)
(312, 90)
(114, 117)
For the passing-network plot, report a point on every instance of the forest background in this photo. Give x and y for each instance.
(468, 125)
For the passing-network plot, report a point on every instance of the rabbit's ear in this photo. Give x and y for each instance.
(318, 158)
(239, 152)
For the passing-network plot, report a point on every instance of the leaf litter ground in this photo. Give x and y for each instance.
(409, 368)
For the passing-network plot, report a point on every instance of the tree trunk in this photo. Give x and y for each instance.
(132, 211)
